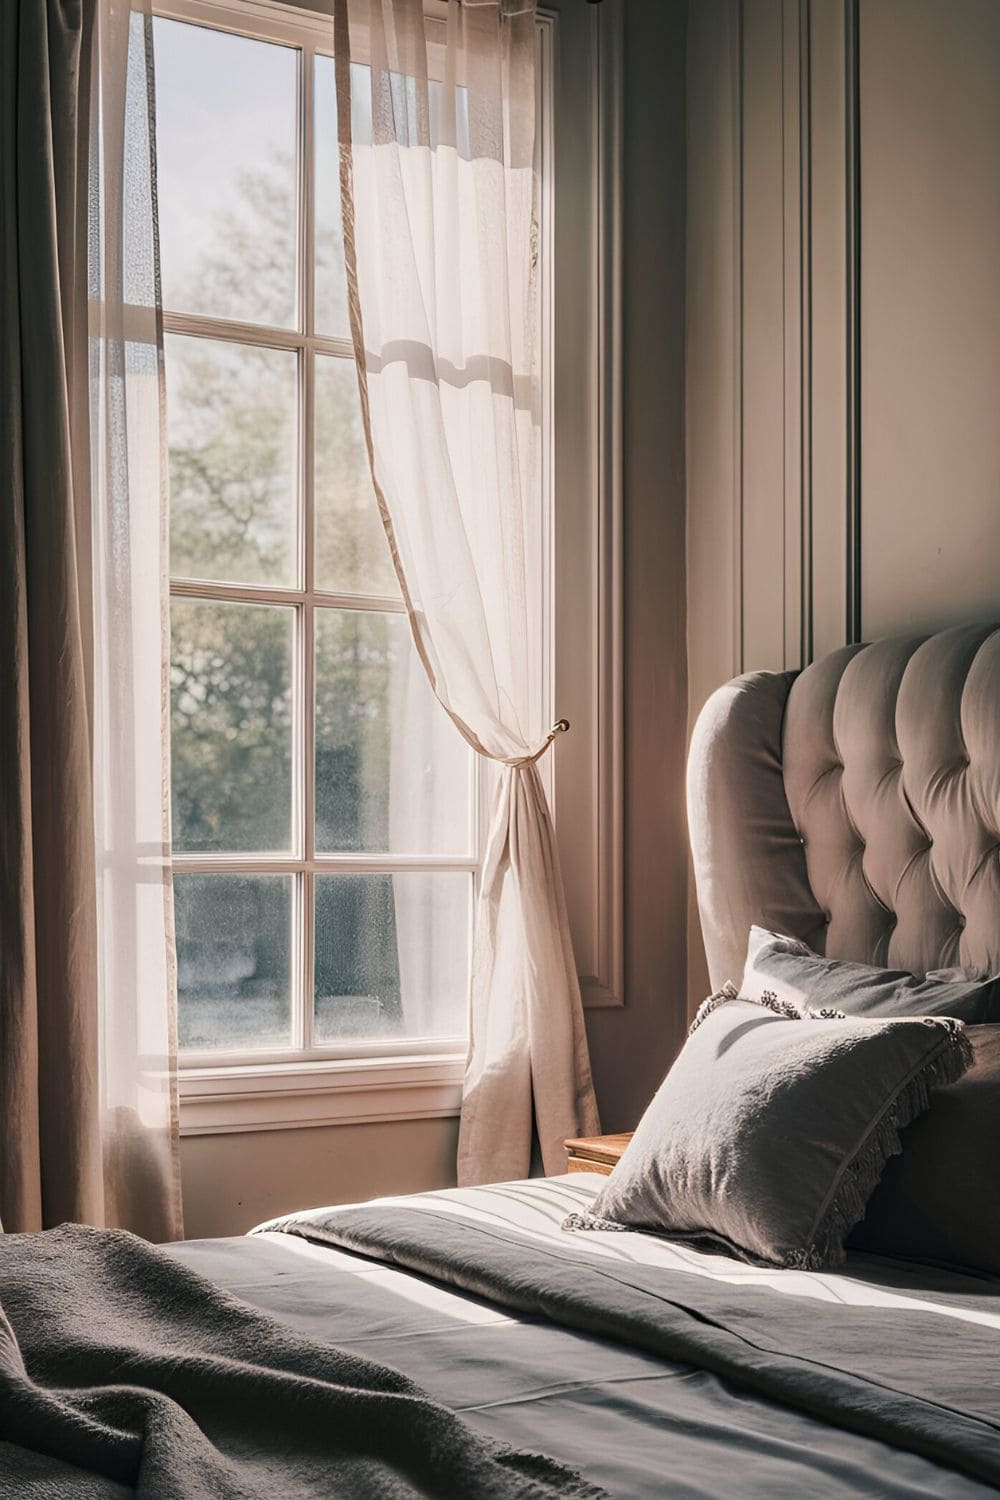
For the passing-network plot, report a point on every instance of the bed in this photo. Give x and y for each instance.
(856, 806)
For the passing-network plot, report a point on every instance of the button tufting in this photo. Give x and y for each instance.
(961, 921)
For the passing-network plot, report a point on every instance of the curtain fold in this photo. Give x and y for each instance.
(80, 1060)
(50, 1165)
(437, 125)
(131, 694)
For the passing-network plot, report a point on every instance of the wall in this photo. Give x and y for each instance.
(232, 1181)
(631, 1046)
(843, 312)
(930, 313)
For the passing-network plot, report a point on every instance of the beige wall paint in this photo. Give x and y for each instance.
(232, 1182)
(843, 306)
(930, 313)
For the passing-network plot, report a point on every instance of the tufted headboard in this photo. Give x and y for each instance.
(855, 805)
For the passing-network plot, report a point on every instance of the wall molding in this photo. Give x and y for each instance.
(588, 768)
(796, 335)
(606, 987)
(739, 592)
(852, 215)
(796, 163)
(772, 336)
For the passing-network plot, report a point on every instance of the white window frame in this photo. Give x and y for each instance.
(579, 103)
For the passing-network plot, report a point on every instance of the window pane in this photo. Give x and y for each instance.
(392, 956)
(232, 424)
(226, 134)
(392, 771)
(352, 554)
(231, 734)
(331, 281)
(234, 946)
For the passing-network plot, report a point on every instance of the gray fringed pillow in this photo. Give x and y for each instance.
(940, 1200)
(788, 968)
(770, 1132)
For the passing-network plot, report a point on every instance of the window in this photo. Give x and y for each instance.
(327, 817)
(325, 810)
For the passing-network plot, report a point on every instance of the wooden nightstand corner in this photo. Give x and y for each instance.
(595, 1153)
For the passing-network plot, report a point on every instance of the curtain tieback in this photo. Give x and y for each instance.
(559, 727)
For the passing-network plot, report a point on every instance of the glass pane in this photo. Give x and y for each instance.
(352, 554)
(231, 730)
(392, 956)
(232, 427)
(392, 771)
(226, 146)
(234, 946)
(331, 280)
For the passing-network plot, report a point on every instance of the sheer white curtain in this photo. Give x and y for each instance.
(136, 979)
(437, 124)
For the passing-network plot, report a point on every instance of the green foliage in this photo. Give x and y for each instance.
(231, 726)
(232, 461)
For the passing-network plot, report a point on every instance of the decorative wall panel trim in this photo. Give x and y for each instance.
(797, 570)
(739, 644)
(774, 331)
(714, 315)
(607, 985)
(852, 183)
(588, 768)
(782, 343)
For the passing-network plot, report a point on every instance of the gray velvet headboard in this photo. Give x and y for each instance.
(855, 805)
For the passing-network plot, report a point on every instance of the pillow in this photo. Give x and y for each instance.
(786, 967)
(770, 1131)
(940, 1200)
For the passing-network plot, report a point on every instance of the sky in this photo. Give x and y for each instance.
(224, 106)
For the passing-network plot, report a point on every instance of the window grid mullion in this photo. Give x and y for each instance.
(256, 593)
(323, 864)
(307, 514)
(229, 330)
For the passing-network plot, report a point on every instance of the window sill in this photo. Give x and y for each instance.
(295, 1096)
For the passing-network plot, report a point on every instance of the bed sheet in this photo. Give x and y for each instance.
(629, 1421)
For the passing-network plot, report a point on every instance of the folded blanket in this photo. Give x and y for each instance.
(121, 1371)
(919, 1371)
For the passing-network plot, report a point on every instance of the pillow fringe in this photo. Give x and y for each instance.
(864, 1171)
(592, 1221)
(705, 1009)
(767, 1000)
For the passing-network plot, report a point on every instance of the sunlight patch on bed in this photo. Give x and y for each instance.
(438, 1299)
(535, 1209)
(429, 1296)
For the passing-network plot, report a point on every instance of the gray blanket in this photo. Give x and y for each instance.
(122, 1371)
(917, 1380)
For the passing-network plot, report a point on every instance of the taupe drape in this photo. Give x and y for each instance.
(50, 1154)
(79, 1138)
